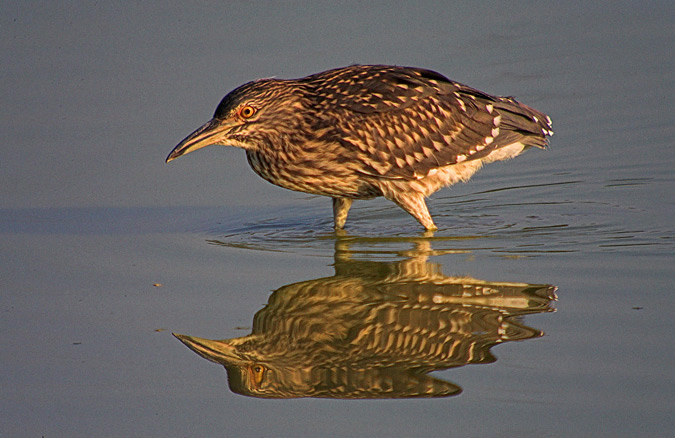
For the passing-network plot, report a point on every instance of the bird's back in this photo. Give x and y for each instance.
(402, 123)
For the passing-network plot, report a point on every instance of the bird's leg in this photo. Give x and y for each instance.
(415, 205)
(340, 211)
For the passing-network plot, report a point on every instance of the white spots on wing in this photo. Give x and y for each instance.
(382, 133)
(495, 132)
(445, 114)
(488, 140)
(460, 158)
(489, 107)
(448, 138)
(410, 159)
(475, 149)
(497, 120)
(427, 152)
(536, 120)
(480, 147)
(438, 145)
(461, 105)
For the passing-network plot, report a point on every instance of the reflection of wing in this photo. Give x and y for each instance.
(404, 122)
(447, 322)
(374, 335)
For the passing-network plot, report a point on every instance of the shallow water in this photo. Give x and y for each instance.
(543, 305)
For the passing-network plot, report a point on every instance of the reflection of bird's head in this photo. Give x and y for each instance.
(244, 370)
(278, 378)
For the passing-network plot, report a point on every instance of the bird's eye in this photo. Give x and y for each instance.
(246, 112)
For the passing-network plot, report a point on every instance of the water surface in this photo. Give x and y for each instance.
(106, 250)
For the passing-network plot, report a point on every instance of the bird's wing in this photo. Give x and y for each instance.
(404, 122)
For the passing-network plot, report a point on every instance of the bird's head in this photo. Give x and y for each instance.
(247, 117)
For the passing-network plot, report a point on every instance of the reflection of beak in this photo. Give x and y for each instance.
(216, 351)
(212, 132)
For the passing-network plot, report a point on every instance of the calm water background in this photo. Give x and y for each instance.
(95, 96)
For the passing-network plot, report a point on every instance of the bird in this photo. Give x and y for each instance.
(364, 131)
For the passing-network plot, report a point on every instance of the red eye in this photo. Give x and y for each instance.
(246, 112)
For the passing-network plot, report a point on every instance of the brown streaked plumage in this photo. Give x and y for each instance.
(364, 131)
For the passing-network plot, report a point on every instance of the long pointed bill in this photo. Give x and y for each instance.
(212, 132)
(215, 351)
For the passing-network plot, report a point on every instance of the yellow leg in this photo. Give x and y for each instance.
(417, 208)
(340, 211)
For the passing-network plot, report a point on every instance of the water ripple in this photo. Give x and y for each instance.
(496, 221)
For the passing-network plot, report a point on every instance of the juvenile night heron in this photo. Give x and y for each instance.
(364, 131)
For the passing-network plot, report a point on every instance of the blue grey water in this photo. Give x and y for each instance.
(105, 250)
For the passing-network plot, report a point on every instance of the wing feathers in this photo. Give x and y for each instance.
(404, 122)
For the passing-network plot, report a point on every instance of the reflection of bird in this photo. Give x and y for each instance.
(364, 131)
(374, 330)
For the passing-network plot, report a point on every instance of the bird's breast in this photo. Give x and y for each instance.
(312, 171)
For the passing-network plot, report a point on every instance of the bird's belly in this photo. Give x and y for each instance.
(505, 153)
(435, 180)
(445, 176)
(313, 179)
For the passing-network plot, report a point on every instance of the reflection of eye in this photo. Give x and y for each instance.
(257, 374)
(246, 112)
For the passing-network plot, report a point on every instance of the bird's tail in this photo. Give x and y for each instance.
(524, 120)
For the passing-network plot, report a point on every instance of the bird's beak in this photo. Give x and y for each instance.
(211, 133)
(216, 351)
